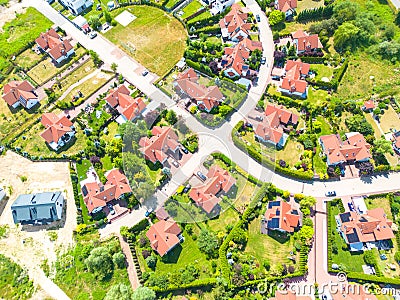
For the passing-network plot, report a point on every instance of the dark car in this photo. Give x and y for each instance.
(263, 60)
(201, 176)
(184, 150)
(258, 18)
(110, 207)
(187, 188)
(330, 194)
(148, 212)
(145, 72)
(351, 206)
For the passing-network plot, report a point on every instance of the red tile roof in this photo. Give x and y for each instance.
(288, 221)
(267, 132)
(236, 20)
(354, 148)
(370, 227)
(284, 116)
(155, 148)
(308, 43)
(369, 104)
(127, 106)
(56, 127)
(163, 236)
(352, 292)
(292, 80)
(205, 195)
(288, 295)
(98, 195)
(16, 89)
(53, 44)
(285, 5)
(209, 97)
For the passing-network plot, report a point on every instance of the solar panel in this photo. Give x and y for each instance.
(273, 203)
(273, 223)
(352, 237)
(345, 217)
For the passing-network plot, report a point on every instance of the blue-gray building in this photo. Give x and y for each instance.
(33, 208)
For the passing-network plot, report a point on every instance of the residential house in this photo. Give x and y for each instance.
(38, 208)
(17, 93)
(129, 108)
(81, 23)
(76, 6)
(396, 142)
(57, 48)
(270, 129)
(162, 144)
(164, 236)
(206, 98)
(288, 295)
(286, 6)
(59, 130)
(305, 42)
(293, 83)
(219, 6)
(234, 26)
(280, 216)
(96, 195)
(365, 231)
(353, 149)
(206, 196)
(368, 106)
(234, 61)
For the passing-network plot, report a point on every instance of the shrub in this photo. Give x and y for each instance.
(151, 262)
(119, 260)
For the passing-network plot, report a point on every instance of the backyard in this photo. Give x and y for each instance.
(390, 120)
(191, 8)
(156, 39)
(308, 4)
(28, 58)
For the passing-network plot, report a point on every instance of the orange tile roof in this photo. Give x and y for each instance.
(163, 236)
(354, 148)
(288, 295)
(285, 116)
(205, 195)
(288, 221)
(98, 195)
(236, 20)
(285, 5)
(155, 148)
(127, 106)
(113, 95)
(308, 43)
(56, 127)
(53, 44)
(16, 89)
(369, 104)
(352, 292)
(292, 80)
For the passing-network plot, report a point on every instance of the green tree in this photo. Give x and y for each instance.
(107, 17)
(224, 110)
(95, 57)
(346, 11)
(306, 233)
(171, 117)
(345, 36)
(382, 146)
(94, 21)
(119, 260)
(100, 263)
(151, 262)
(276, 17)
(144, 293)
(207, 242)
(114, 67)
(358, 123)
(119, 292)
(397, 256)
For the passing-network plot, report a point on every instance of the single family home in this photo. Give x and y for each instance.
(293, 83)
(57, 48)
(17, 93)
(38, 208)
(354, 149)
(286, 6)
(164, 236)
(396, 142)
(306, 43)
(280, 216)
(206, 195)
(218, 6)
(234, 26)
(59, 130)
(206, 98)
(161, 145)
(76, 6)
(128, 108)
(368, 106)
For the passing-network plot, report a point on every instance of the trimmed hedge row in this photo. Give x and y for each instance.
(315, 14)
(200, 283)
(362, 278)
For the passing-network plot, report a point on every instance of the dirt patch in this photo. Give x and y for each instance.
(8, 13)
(29, 247)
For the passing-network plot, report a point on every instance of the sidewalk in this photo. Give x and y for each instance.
(133, 277)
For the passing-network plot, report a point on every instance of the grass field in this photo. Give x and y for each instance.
(156, 39)
(322, 71)
(380, 203)
(291, 153)
(191, 8)
(390, 120)
(370, 119)
(171, 3)
(27, 58)
(227, 217)
(307, 4)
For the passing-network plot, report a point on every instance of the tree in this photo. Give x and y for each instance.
(397, 256)
(151, 262)
(306, 233)
(383, 146)
(144, 293)
(94, 21)
(346, 11)
(358, 123)
(119, 292)
(107, 17)
(100, 262)
(119, 260)
(114, 67)
(224, 110)
(345, 36)
(276, 17)
(207, 242)
(95, 57)
(171, 117)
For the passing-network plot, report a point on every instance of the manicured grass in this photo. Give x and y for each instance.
(317, 97)
(291, 153)
(82, 168)
(264, 247)
(156, 39)
(227, 217)
(76, 281)
(308, 4)
(191, 8)
(32, 143)
(322, 71)
(202, 16)
(14, 283)
(318, 164)
(27, 58)
(112, 131)
(325, 128)
(171, 3)
(21, 31)
(107, 164)
(370, 119)
(390, 120)
(381, 202)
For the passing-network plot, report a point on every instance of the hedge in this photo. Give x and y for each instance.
(195, 284)
(362, 278)
(315, 14)
(139, 226)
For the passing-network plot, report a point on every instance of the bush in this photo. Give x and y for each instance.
(151, 262)
(119, 260)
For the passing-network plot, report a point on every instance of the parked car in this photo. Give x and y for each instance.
(148, 212)
(263, 60)
(145, 72)
(184, 150)
(187, 188)
(111, 209)
(330, 194)
(201, 176)
(106, 26)
(383, 256)
(175, 163)
(92, 34)
(258, 18)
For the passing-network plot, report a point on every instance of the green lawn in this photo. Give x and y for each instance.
(325, 128)
(227, 217)
(27, 58)
(308, 4)
(381, 202)
(112, 131)
(370, 119)
(390, 120)
(171, 3)
(82, 168)
(191, 8)
(78, 283)
(291, 153)
(202, 16)
(322, 71)
(264, 247)
(156, 39)
(318, 164)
